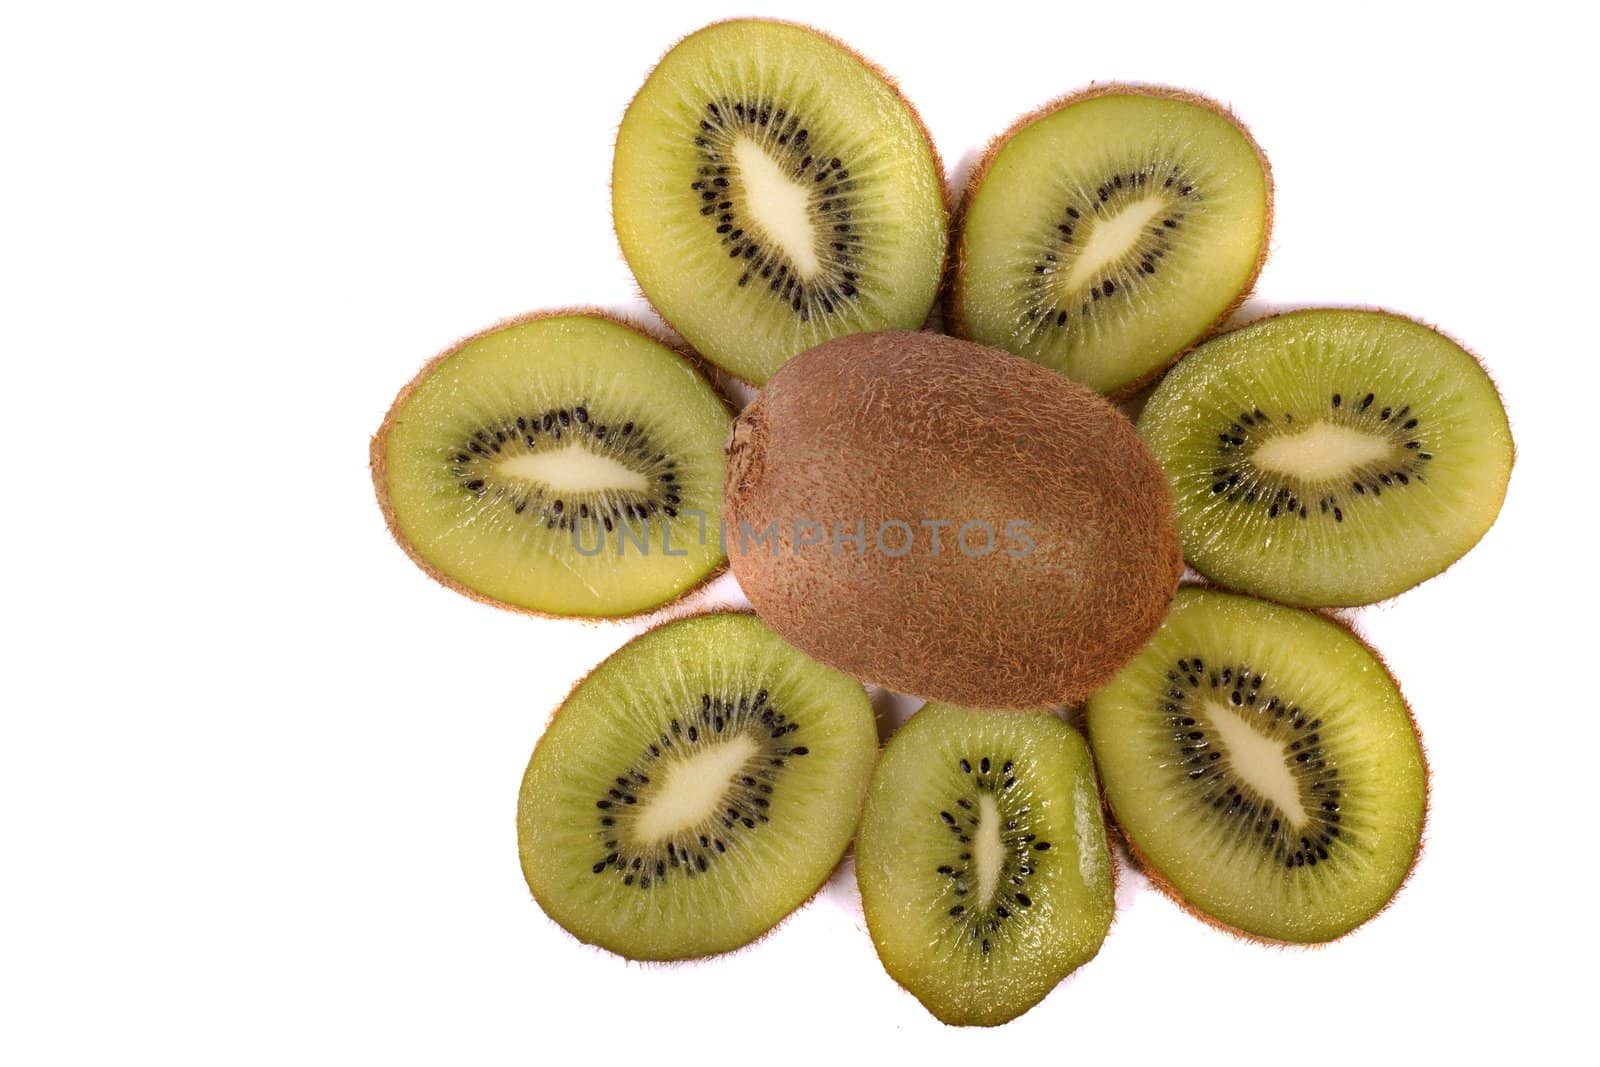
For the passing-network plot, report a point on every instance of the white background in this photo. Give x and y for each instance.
(258, 774)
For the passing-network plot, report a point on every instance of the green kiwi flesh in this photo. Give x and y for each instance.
(982, 860)
(1107, 233)
(771, 190)
(1264, 768)
(1330, 457)
(564, 464)
(693, 790)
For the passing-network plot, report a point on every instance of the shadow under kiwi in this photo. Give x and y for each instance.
(1132, 882)
(955, 194)
(891, 710)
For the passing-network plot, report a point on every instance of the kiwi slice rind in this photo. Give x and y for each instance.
(771, 189)
(1106, 233)
(1330, 456)
(1264, 768)
(982, 860)
(694, 789)
(565, 463)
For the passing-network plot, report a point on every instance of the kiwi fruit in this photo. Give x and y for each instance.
(563, 464)
(1106, 233)
(949, 521)
(1330, 457)
(1264, 767)
(694, 789)
(982, 860)
(771, 190)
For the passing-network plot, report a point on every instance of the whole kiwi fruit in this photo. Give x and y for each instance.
(949, 520)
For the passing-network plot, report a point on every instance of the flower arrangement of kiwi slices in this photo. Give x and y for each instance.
(967, 518)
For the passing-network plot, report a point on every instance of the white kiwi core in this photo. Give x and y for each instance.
(693, 789)
(778, 205)
(1110, 240)
(1323, 451)
(1259, 760)
(573, 469)
(987, 851)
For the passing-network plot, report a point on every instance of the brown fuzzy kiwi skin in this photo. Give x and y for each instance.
(883, 76)
(955, 313)
(378, 463)
(1057, 456)
(1370, 309)
(670, 963)
(1143, 865)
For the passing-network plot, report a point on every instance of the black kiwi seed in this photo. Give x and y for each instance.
(1016, 837)
(1237, 480)
(476, 458)
(692, 850)
(1136, 264)
(783, 137)
(1316, 775)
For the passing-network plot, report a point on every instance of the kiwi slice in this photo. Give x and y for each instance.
(1264, 768)
(982, 860)
(772, 190)
(1330, 457)
(564, 464)
(694, 789)
(1106, 233)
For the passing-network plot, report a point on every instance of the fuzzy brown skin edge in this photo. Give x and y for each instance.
(668, 963)
(1170, 891)
(1385, 312)
(872, 67)
(955, 313)
(378, 463)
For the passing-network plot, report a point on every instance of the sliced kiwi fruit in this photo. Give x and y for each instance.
(563, 464)
(694, 789)
(771, 190)
(982, 860)
(1264, 768)
(1330, 457)
(1106, 233)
